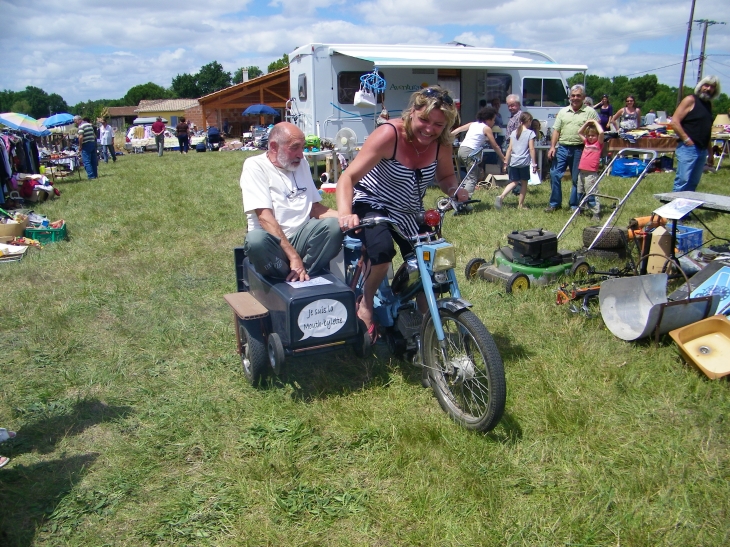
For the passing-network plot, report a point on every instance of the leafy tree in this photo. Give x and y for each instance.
(253, 72)
(146, 91)
(56, 103)
(23, 107)
(211, 78)
(185, 86)
(7, 98)
(279, 63)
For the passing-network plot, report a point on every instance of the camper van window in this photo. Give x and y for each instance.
(302, 87)
(347, 85)
(543, 92)
(499, 86)
(554, 93)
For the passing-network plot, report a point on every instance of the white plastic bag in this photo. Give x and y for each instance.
(534, 178)
(364, 97)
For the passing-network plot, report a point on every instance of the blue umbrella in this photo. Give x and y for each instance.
(259, 109)
(58, 120)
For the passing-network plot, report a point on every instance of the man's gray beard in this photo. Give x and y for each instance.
(704, 96)
(286, 165)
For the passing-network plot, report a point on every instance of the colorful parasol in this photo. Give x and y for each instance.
(25, 123)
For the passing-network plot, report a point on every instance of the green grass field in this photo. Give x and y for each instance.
(136, 426)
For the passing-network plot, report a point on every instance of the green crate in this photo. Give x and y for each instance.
(47, 235)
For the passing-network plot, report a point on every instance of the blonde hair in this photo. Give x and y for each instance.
(423, 104)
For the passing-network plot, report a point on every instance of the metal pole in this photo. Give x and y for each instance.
(686, 49)
(704, 41)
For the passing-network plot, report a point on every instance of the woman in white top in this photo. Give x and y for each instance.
(477, 133)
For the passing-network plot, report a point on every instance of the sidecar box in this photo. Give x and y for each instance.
(315, 313)
(536, 244)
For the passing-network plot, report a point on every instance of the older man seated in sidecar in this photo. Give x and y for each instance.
(290, 233)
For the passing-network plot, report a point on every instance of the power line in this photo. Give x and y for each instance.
(718, 70)
(658, 68)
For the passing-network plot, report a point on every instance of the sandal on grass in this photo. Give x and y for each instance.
(4, 461)
(373, 328)
(5, 434)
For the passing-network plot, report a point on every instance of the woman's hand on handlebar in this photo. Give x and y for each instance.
(462, 194)
(348, 222)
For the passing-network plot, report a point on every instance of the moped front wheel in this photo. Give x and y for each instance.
(467, 374)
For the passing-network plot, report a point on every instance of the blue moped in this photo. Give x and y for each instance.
(458, 356)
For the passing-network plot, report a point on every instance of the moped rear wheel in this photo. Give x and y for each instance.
(469, 379)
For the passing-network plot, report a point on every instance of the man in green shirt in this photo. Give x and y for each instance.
(566, 147)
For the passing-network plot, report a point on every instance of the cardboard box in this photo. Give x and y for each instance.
(661, 249)
(12, 230)
(38, 196)
(497, 180)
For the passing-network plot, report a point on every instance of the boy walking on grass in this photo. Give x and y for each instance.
(592, 135)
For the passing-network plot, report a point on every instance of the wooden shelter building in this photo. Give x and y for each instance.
(228, 104)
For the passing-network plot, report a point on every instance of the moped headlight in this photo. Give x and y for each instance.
(444, 258)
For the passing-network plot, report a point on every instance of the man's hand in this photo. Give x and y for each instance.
(551, 153)
(298, 272)
(710, 158)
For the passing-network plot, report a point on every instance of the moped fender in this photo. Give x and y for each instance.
(453, 304)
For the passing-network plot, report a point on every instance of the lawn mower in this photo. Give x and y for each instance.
(532, 256)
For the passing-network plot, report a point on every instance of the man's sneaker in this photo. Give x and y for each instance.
(498, 202)
(551, 209)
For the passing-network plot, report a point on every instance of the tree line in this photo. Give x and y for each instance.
(35, 102)
(648, 92)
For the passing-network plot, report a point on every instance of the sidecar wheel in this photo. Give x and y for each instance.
(253, 353)
(276, 353)
(467, 374)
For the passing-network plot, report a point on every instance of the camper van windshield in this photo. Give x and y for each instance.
(543, 92)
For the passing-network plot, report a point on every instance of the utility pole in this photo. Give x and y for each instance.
(686, 49)
(706, 23)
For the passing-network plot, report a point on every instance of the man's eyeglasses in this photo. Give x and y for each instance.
(296, 192)
(432, 93)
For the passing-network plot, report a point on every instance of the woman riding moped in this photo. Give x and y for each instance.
(389, 177)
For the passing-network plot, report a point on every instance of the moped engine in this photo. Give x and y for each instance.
(409, 324)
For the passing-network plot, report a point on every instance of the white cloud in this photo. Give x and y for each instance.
(85, 49)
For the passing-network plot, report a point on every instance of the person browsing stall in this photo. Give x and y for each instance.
(692, 122)
(477, 133)
(87, 145)
(389, 177)
(627, 118)
(291, 235)
(106, 139)
(158, 130)
(566, 146)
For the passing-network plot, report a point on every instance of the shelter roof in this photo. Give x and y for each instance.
(271, 89)
(167, 105)
(119, 111)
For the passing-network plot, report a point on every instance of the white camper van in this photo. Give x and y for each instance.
(325, 77)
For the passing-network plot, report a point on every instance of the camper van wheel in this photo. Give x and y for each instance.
(472, 267)
(517, 283)
(276, 353)
(253, 353)
(580, 268)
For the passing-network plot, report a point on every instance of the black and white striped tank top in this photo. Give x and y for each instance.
(397, 190)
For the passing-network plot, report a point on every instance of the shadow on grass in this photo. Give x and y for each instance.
(508, 349)
(333, 373)
(30, 494)
(51, 422)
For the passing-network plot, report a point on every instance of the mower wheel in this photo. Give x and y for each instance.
(517, 283)
(580, 268)
(472, 267)
(611, 238)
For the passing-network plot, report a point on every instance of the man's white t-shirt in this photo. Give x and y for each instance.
(265, 186)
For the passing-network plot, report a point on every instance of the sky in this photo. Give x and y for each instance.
(87, 50)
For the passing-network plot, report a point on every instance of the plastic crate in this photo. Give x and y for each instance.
(47, 235)
(688, 238)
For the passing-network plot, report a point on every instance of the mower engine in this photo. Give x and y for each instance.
(537, 248)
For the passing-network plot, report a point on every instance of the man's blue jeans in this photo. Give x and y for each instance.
(565, 156)
(690, 164)
(90, 159)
